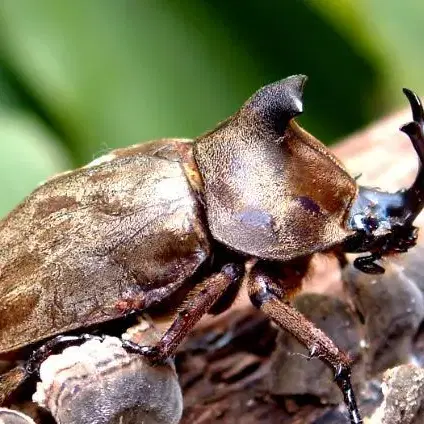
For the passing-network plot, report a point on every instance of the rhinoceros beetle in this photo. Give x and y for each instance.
(247, 203)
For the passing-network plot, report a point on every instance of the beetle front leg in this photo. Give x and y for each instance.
(268, 297)
(203, 300)
(12, 379)
(59, 342)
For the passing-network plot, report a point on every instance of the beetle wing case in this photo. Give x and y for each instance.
(271, 189)
(93, 244)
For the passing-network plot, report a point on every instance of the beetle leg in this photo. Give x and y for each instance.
(366, 264)
(10, 381)
(59, 342)
(213, 288)
(263, 294)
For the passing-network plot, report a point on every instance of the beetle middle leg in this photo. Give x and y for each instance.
(268, 296)
(213, 288)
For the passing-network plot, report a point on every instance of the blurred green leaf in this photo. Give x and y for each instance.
(112, 73)
(29, 151)
(29, 154)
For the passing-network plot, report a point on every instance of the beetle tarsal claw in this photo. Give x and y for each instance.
(339, 372)
(152, 353)
(313, 352)
(367, 264)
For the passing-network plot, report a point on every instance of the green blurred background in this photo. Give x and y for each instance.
(80, 77)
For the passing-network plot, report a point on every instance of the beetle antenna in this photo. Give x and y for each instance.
(414, 196)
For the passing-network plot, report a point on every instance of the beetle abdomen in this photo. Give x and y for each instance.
(93, 244)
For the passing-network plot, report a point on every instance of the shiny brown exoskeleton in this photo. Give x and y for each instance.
(247, 203)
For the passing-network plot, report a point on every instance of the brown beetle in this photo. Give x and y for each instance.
(248, 202)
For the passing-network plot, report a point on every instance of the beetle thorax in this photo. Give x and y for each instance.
(275, 196)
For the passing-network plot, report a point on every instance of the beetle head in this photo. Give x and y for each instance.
(271, 189)
(383, 221)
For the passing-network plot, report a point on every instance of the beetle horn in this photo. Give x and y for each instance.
(384, 221)
(414, 196)
(277, 103)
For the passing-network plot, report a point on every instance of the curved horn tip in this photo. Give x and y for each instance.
(298, 81)
(416, 105)
(295, 85)
(279, 99)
